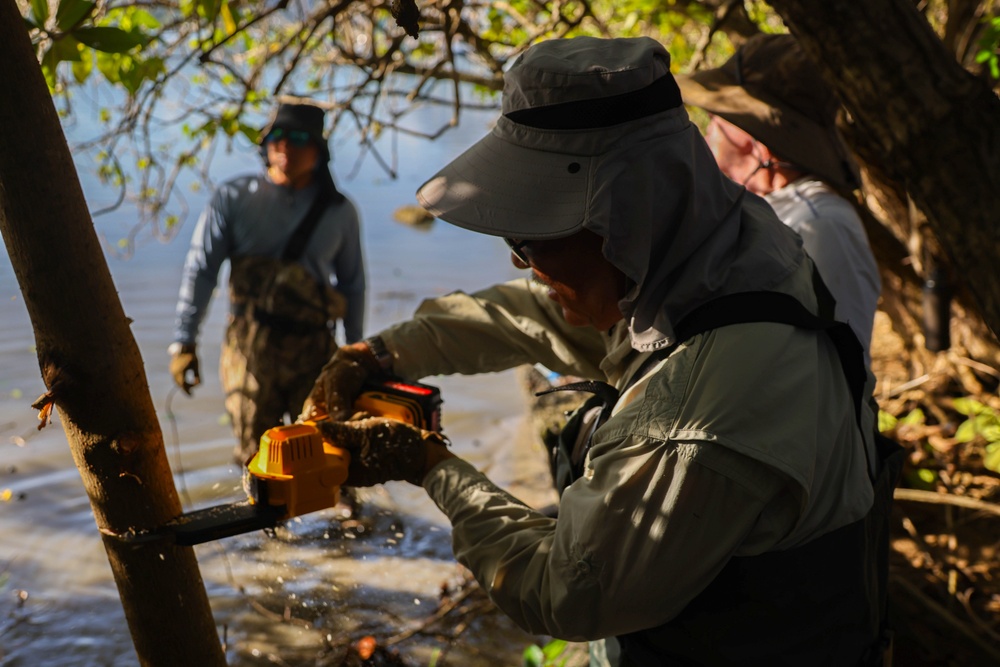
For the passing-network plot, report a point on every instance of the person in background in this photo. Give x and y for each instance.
(723, 511)
(296, 267)
(772, 129)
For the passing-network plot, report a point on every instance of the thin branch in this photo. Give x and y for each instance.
(441, 612)
(722, 14)
(121, 190)
(932, 497)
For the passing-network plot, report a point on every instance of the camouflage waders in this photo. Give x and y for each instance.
(280, 335)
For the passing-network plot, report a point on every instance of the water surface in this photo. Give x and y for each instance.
(300, 595)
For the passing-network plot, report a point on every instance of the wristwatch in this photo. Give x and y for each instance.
(380, 352)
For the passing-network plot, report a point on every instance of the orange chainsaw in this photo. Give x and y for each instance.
(296, 471)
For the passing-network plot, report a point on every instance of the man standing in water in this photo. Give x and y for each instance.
(724, 510)
(290, 237)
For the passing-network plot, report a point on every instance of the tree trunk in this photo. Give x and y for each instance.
(933, 125)
(91, 365)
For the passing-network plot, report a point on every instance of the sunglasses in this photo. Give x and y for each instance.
(517, 247)
(297, 138)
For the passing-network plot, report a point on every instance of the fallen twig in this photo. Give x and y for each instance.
(912, 384)
(442, 611)
(285, 617)
(934, 497)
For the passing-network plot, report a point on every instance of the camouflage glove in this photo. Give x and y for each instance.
(382, 449)
(339, 383)
(183, 360)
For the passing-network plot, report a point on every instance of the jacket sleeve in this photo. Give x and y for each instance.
(210, 246)
(492, 330)
(622, 556)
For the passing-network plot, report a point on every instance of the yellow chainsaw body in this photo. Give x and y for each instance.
(296, 468)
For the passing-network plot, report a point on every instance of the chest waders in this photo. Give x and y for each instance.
(823, 603)
(280, 334)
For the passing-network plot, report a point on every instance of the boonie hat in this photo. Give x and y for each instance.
(298, 116)
(771, 90)
(566, 102)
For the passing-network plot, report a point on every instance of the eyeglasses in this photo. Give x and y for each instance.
(297, 138)
(517, 247)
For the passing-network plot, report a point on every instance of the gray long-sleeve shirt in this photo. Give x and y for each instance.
(833, 235)
(251, 216)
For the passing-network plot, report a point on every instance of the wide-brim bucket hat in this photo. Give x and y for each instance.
(299, 115)
(567, 105)
(771, 90)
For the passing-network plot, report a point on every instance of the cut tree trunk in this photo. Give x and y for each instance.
(91, 366)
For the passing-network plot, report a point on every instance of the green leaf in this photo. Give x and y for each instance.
(50, 60)
(967, 406)
(71, 12)
(67, 49)
(914, 418)
(130, 73)
(140, 18)
(40, 11)
(109, 39)
(554, 649)
(227, 19)
(533, 657)
(251, 133)
(982, 424)
(886, 422)
(209, 8)
(108, 64)
(992, 458)
(966, 431)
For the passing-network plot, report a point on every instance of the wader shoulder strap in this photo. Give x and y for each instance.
(740, 308)
(297, 241)
(747, 307)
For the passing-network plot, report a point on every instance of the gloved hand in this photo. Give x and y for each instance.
(339, 383)
(383, 449)
(183, 360)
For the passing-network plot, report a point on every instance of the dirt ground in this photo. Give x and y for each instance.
(944, 586)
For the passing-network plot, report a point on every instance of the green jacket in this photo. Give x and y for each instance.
(713, 454)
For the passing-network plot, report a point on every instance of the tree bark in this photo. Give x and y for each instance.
(934, 124)
(91, 365)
